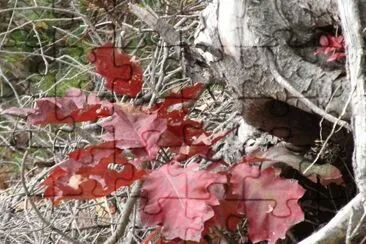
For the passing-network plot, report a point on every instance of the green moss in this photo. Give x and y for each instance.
(52, 85)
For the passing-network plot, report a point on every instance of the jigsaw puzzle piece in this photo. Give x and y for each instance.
(91, 172)
(122, 74)
(183, 204)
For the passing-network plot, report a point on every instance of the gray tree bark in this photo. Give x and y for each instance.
(265, 51)
(255, 45)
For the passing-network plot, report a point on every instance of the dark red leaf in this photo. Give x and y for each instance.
(174, 107)
(123, 75)
(184, 132)
(227, 214)
(188, 138)
(85, 175)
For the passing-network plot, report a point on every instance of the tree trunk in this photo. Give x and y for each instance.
(253, 45)
(265, 51)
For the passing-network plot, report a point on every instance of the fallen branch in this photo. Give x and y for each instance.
(335, 230)
(166, 31)
(285, 84)
(33, 205)
(120, 231)
(356, 72)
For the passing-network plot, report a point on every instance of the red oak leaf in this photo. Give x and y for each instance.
(122, 74)
(226, 215)
(135, 130)
(174, 107)
(268, 201)
(187, 138)
(333, 46)
(201, 146)
(179, 200)
(143, 132)
(85, 175)
(75, 106)
(184, 132)
(181, 138)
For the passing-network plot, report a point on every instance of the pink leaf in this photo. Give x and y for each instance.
(75, 106)
(269, 202)
(135, 130)
(179, 200)
(331, 45)
(336, 42)
(324, 41)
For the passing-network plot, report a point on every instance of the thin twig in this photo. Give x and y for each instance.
(330, 134)
(167, 32)
(120, 231)
(45, 221)
(360, 222)
(356, 73)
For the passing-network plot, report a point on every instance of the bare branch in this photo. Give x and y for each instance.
(285, 84)
(356, 71)
(166, 31)
(335, 230)
(43, 219)
(120, 231)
